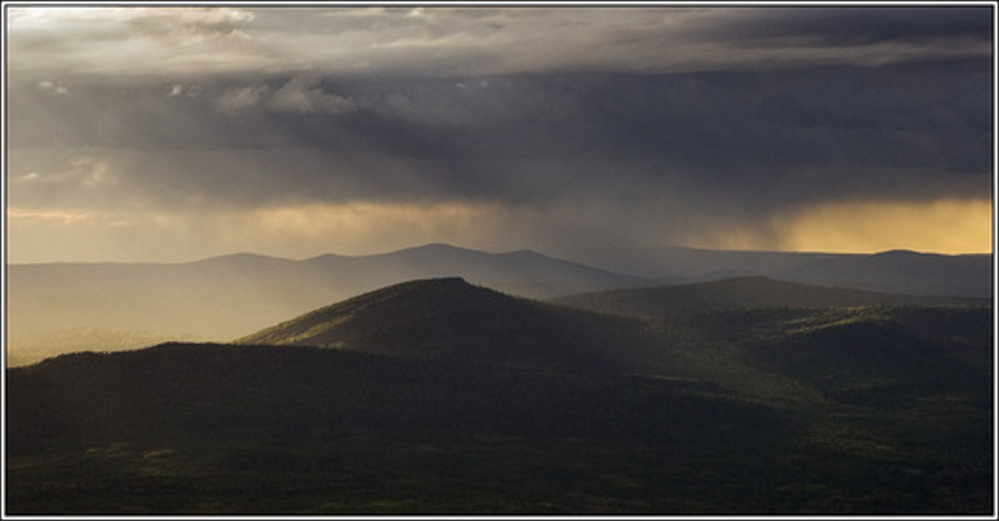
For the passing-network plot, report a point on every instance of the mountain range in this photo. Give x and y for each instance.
(56, 307)
(740, 293)
(647, 330)
(895, 271)
(224, 297)
(443, 396)
(452, 318)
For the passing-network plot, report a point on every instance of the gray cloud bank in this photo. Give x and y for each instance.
(728, 112)
(446, 41)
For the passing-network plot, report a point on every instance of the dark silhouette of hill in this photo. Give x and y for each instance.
(738, 293)
(876, 363)
(799, 410)
(450, 317)
(261, 429)
(900, 271)
(896, 271)
(223, 297)
(437, 395)
(524, 272)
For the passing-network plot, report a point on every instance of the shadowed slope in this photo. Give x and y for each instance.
(738, 293)
(770, 410)
(449, 317)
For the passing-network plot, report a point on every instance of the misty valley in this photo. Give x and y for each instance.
(438, 380)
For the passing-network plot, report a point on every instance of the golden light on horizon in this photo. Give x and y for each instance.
(362, 227)
(946, 226)
(290, 231)
(950, 226)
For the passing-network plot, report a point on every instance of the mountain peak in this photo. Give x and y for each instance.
(239, 257)
(896, 253)
(437, 247)
(445, 317)
(438, 281)
(522, 251)
(406, 301)
(449, 283)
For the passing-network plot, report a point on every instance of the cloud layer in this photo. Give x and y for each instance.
(661, 125)
(453, 41)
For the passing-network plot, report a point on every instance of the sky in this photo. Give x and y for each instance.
(173, 134)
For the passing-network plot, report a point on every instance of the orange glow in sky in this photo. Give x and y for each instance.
(946, 226)
(949, 226)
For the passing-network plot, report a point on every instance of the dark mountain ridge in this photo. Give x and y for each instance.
(894, 271)
(452, 318)
(900, 271)
(223, 297)
(443, 396)
(740, 293)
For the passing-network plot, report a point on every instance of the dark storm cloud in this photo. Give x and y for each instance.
(755, 139)
(657, 107)
(834, 26)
